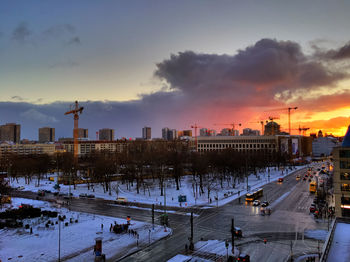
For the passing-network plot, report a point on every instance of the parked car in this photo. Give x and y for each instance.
(83, 195)
(121, 200)
(243, 257)
(91, 196)
(47, 191)
(256, 203)
(280, 180)
(297, 177)
(20, 188)
(41, 193)
(237, 232)
(312, 208)
(55, 193)
(265, 204)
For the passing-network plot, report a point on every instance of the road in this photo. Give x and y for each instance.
(290, 217)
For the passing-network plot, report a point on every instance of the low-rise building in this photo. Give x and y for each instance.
(323, 146)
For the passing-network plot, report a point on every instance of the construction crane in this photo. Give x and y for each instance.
(289, 109)
(232, 124)
(195, 133)
(75, 111)
(303, 129)
(261, 122)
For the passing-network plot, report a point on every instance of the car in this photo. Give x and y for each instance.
(310, 179)
(20, 188)
(304, 178)
(243, 257)
(256, 203)
(312, 209)
(47, 191)
(265, 204)
(280, 180)
(121, 200)
(237, 232)
(91, 196)
(297, 177)
(55, 193)
(83, 195)
(41, 193)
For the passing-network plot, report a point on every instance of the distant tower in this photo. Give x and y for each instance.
(46, 134)
(146, 133)
(320, 134)
(272, 128)
(10, 132)
(106, 134)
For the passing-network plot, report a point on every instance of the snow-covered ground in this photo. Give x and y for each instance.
(339, 250)
(150, 192)
(77, 239)
(211, 250)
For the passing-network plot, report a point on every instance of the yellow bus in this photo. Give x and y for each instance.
(313, 186)
(255, 195)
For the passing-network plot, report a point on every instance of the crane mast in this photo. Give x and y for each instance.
(75, 111)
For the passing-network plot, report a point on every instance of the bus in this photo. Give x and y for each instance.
(313, 186)
(249, 197)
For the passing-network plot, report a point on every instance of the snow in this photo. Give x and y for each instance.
(339, 250)
(316, 234)
(150, 192)
(77, 239)
(180, 258)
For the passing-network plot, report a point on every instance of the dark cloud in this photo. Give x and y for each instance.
(21, 33)
(59, 30)
(262, 70)
(334, 54)
(74, 41)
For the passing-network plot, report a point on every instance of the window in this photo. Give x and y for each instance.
(345, 187)
(344, 153)
(344, 164)
(345, 176)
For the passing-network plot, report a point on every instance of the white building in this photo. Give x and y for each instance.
(323, 146)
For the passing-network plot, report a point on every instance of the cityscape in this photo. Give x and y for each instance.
(180, 131)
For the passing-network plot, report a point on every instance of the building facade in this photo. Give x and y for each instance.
(323, 146)
(250, 132)
(82, 133)
(46, 134)
(10, 132)
(26, 149)
(106, 134)
(341, 177)
(169, 134)
(146, 133)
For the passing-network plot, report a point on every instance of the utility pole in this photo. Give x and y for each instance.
(191, 238)
(233, 236)
(59, 239)
(153, 216)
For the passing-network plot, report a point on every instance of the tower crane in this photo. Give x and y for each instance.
(286, 108)
(303, 129)
(195, 133)
(76, 111)
(261, 122)
(232, 124)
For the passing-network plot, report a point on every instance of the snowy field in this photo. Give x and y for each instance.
(150, 191)
(77, 239)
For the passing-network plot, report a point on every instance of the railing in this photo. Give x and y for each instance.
(329, 241)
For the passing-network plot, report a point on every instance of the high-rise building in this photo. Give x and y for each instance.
(341, 177)
(169, 134)
(203, 132)
(10, 132)
(250, 132)
(226, 132)
(82, 133)
(46, 134)
(146, 132)
(106, 134)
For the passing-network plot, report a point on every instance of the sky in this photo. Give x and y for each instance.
(174, 64)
